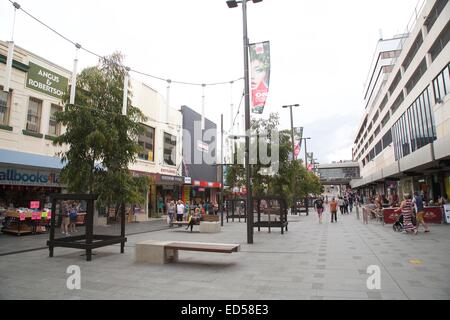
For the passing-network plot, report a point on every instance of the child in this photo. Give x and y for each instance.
(73, 214)
(193, 220)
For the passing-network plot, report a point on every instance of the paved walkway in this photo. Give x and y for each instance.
(311, 261)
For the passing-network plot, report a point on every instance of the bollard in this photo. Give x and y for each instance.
(357, 212)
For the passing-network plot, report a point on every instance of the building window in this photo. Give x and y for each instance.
(385, 120)
(412, 52)
(387, 139)
(378, 148)
(395, 82)
(440, 42)
(147, 142)
(5, 102)
(421, 69)
(441, 84)
(383, 103)
(415, 128)
(435, 13)
(170, 149)
(34, 115)
(397, 102)
(54, 128)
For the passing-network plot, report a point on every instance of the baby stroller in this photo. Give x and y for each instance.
(398, 226)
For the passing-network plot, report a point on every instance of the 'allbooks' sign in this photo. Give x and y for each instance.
(46, 81)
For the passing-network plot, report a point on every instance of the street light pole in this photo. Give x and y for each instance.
(306, 153)
(247, 128)
(249, 202)
(293, 154)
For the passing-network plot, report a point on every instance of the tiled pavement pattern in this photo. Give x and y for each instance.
(311, 261)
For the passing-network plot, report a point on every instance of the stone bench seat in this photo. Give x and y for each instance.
(163, 252)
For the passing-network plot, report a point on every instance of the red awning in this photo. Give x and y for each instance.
(206, 184)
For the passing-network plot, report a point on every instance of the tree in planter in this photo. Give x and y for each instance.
(102, 142)
(291, 180)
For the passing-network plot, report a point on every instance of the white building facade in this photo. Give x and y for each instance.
(29, 165)
(403, 141)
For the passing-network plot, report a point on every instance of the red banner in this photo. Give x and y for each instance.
(260, 66)
(432, 215)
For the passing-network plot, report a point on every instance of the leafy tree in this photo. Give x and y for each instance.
(292, 179)
(102, 142)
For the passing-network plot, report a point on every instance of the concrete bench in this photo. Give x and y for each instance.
(163, 252)
(210, 227)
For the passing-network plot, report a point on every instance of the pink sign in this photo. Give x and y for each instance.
(35, 205)
(22, 216)
(34, 215)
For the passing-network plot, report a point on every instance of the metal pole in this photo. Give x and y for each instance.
(293, 209)
(292, 134)
(306, 156)
(247, 128)
(221, 170)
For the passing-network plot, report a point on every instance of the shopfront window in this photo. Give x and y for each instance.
(34, 115)
(147, 142)
(4, 107)
(54, 128)
(170, 147)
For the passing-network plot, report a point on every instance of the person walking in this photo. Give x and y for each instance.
(351, 199)
(346, 205)
(341, 205)
(319, 207)
(65, 218)
(73, 215)
(420, 212)
(160, 204)
(171, 209)
(333, 210)
(180, 210)
(406, 208)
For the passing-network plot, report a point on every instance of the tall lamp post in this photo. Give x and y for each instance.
(306, 152)
(249, 202)
(306, 166)
(293, 155)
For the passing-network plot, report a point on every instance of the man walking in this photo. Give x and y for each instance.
(333, 209)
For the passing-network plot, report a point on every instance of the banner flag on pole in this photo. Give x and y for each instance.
(298, 137)
(260, 75)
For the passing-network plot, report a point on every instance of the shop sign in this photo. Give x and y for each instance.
(187, 180)
(172, 179)
(46, 81)
(35, 204)
(170, 171)
(12, 176)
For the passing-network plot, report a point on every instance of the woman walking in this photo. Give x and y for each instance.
(318, 204)
(406, 208)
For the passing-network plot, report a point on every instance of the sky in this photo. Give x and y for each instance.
(321, 52)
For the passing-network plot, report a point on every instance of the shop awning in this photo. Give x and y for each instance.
(206, 184)
(9, 157)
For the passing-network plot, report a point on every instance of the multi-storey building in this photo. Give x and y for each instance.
(403, 141)
(29, 165)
